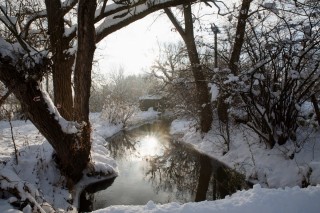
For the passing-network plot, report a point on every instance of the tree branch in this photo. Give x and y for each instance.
(117, 18)
(8, 23)
(175, 22)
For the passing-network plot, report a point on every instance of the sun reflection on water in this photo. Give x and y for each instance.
(150, 146)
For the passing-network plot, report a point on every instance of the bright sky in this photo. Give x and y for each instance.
(135, 46)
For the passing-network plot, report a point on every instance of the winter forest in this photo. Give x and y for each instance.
(226, 119)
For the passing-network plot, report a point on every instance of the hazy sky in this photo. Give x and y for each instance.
(135, 46)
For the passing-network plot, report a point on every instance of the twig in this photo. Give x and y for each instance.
(14, 143)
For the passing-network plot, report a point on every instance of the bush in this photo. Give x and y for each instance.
(117, 112)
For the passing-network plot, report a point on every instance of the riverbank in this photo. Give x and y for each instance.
(281, 166)
(35, 176)
(37, 179)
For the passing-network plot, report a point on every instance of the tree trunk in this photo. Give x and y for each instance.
(204, 101)
(234, 59)
(198, 73)
(86, 48)
(239, 38)
(72, 148)
(71, 156)
(62, 72)
(62, 62)
(316, 107)
(83, 67)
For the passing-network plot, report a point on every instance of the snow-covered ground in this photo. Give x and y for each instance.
(272, 168)
(37, 179)
(291, 200)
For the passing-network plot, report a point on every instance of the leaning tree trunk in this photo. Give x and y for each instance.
(204, 100)
(72, 155)
(239, 38)
(202, 89)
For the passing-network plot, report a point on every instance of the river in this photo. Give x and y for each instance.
(155, 166)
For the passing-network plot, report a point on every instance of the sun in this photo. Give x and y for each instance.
(150, 146)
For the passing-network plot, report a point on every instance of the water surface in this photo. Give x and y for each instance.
(154, 166)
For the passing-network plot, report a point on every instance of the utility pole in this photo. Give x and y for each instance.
(215, 30)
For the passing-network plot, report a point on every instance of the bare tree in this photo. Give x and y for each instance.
(23, 66)
(108, 18)
(202, 90)
(172, 68)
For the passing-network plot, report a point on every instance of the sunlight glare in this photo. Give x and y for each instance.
(150, 146)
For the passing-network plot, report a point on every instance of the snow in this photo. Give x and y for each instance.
(9, 21)
(231, 78)
(10, 51)
(37, 170)
(214, 91)
(68, 3)
(7, 49)
(70, 30)
(141, 117)
(270, 5)
(68, 127)
(293, 200)
(269, 167)
(108, 9)
(275, 174)
(114, 19)
(120, 16)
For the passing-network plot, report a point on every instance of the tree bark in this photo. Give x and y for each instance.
(204, 101)
(62, 62)
(239, 37)
(70, 156)
(71, 149)
(86, 48)
(82, 73)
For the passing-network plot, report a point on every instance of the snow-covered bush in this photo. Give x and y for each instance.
(279, 72)
(117, 112)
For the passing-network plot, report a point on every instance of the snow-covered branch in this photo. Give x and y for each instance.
(31, 19)
(121, 16)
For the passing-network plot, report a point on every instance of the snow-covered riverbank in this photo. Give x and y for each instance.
(37, 178)
(281, 166)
